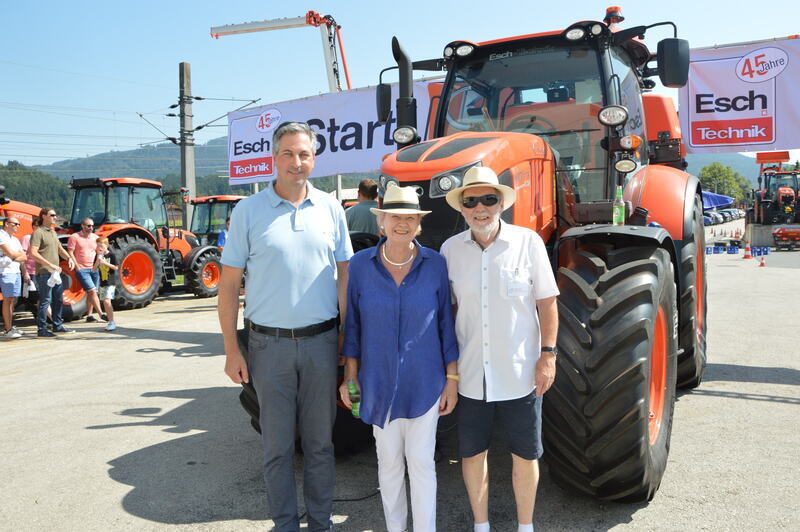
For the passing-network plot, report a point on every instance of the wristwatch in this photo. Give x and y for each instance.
(550, 349)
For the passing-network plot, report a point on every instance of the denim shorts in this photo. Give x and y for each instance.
(11, 284)
(89, 279)
(520, 419)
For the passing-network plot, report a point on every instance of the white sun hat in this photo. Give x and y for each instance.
(400, 200)
(481, 176)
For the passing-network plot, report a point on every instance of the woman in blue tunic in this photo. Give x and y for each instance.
(399, 329)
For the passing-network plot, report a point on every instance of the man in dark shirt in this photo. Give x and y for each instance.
(359, 217)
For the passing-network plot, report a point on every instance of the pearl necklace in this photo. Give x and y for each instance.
(397, 264)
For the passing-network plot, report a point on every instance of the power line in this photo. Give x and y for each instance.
(89, 109)
(71, 135)
(73, 115)
(135, 146)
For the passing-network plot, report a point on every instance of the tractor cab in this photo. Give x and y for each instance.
(569, 99)
(208, 218)
(113, 201)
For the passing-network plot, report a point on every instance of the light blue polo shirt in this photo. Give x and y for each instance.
(290, 254)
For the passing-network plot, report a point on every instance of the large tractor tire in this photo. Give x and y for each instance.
(74, 297)
(204, 274)
(608, 416)
(139, 273)
(692, 335)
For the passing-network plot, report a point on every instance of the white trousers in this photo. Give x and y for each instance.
(411, 442)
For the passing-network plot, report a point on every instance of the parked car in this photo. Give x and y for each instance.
(707, 220)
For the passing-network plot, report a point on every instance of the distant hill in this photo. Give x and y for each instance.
(151, 162)
(740, 163)
(161, 160)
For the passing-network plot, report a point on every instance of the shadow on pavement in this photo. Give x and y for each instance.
(739, 373)
(215, 475)
(199, 344)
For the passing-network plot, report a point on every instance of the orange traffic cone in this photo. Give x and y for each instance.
(747, 253)
(713, 233)
(763, 262)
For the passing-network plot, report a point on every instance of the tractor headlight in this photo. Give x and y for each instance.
(404, 135)
(613, 115)
(386, 181)
(625, 166)
(444, 182)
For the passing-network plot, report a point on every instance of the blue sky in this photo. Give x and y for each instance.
(74, 74)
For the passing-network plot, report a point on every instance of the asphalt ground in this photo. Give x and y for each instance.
(139, 429)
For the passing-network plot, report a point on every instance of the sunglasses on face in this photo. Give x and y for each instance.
(51, 214)
(470, 202)
(12, 223)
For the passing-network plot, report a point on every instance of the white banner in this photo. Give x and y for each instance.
(349, 139)
(742, 98)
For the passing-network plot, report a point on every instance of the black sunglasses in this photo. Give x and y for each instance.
(470, 202)
(12, 223)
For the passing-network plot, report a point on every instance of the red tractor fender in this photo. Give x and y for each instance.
(668, 195)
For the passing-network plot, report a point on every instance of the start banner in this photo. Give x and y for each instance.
(742, 97)
(349, 138)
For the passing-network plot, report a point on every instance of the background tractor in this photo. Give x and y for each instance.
(773, 217)
(209, 215)
(150, 254)
(565, 117)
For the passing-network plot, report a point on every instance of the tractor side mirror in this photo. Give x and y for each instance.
(165, 232)
(673, 62)
(383, 99)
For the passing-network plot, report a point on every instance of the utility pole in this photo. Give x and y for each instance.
(187, 139)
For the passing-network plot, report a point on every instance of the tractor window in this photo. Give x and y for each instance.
(542, 88)
(148, 208)
(200, 215)
(117, 205)
(88, 203)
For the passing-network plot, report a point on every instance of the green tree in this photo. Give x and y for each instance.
(35, 187)
(720, 179)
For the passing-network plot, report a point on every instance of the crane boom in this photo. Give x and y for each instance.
(328, 30)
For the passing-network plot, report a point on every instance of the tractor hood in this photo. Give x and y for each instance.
(438, 166)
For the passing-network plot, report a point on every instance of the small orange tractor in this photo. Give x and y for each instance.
(209, 216)
(565, 117)
(150, 255)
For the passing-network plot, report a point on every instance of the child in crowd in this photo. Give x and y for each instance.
(106, 290)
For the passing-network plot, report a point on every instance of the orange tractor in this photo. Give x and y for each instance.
(150, 254)
(209, 216)
(565, 117)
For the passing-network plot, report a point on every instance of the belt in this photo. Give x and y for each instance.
(302, 332)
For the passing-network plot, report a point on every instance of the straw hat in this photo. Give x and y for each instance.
(481, 176)
(400, 200)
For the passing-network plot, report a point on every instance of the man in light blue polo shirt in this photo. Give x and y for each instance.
(293, 240)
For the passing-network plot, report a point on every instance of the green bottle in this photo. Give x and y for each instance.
(355, 399)
(618, 208)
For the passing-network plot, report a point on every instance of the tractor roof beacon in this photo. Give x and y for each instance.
(564, 117)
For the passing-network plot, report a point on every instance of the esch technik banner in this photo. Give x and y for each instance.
(742, 98)
(349, 139)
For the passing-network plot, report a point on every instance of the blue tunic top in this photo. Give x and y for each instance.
(404, 335)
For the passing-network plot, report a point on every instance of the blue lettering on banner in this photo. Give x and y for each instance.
(351, 137)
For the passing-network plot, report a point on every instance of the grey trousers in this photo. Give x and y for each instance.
(296, 385)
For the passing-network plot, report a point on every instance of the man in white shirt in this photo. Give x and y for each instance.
(11, 256)
(506, 322)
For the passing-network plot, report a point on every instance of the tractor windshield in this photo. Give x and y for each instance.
(209, 218)
(89, 203)
(783, 180)
(553, 91)
(101, 204)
